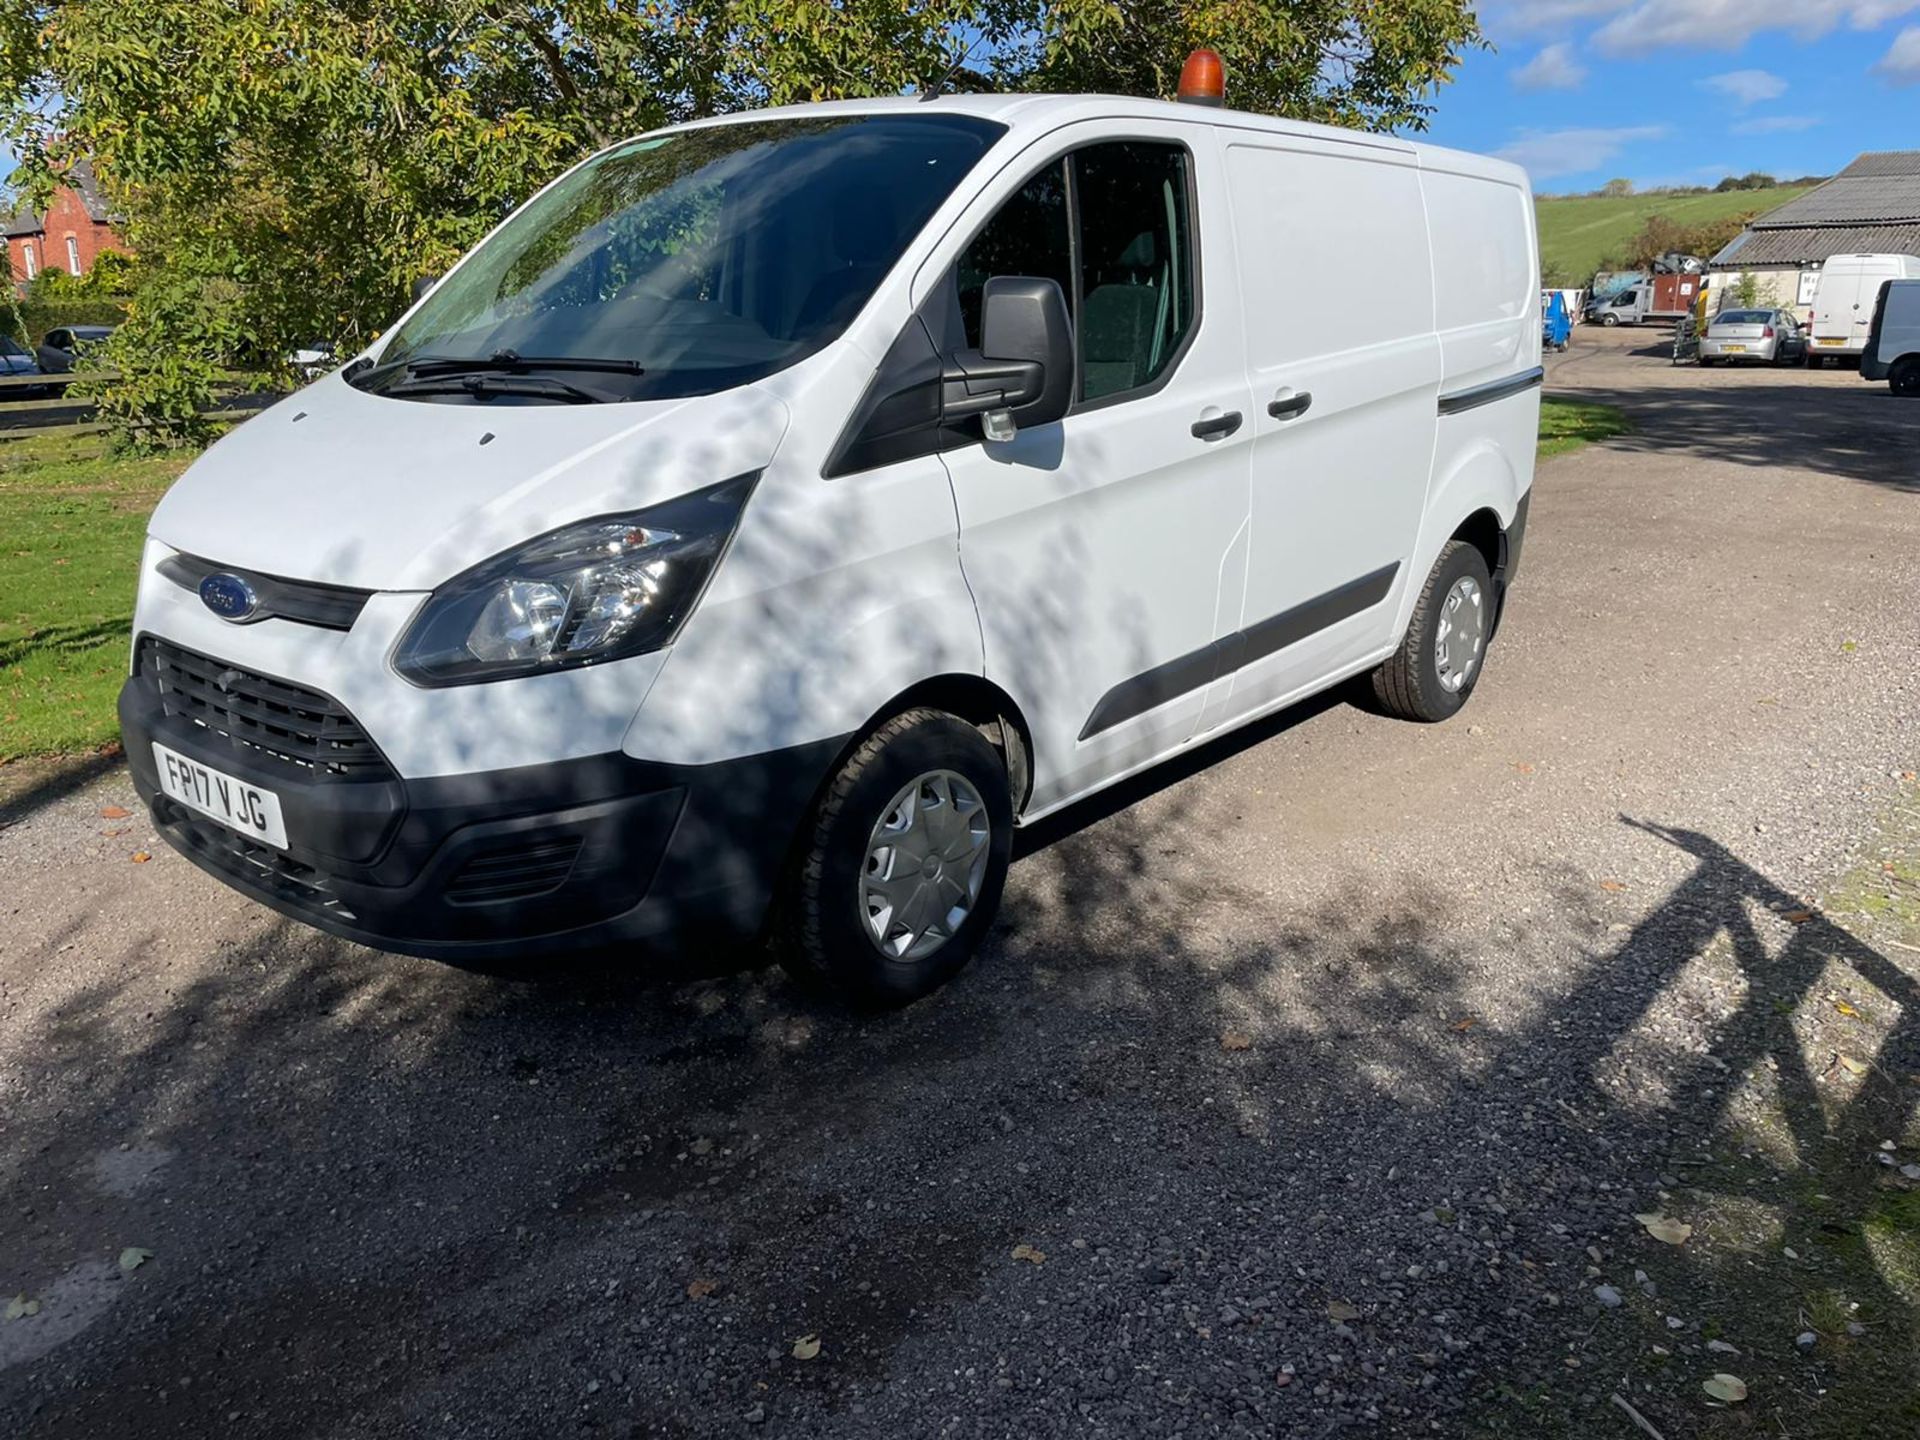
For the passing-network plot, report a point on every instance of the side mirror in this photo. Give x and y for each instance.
(1022, 374)
(423, 285)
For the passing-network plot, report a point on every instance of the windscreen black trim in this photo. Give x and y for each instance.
(1150, 689)
(1491, 392)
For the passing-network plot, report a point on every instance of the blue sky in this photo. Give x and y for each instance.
(1682, 92)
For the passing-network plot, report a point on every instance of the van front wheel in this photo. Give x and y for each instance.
(903, 862)
(1439, 660)
(1904, 378)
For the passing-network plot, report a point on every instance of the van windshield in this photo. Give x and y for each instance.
(688, 262)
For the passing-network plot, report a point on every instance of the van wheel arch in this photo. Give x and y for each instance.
(982, 704)
(1483, 531)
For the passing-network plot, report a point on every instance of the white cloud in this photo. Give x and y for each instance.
(1522, 17)
(1554, 68)
(1901, 64)
(1543, 154)
(1776, 125)
(1645, 27)
(1746, 87)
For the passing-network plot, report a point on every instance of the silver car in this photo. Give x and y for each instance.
(1772, 337)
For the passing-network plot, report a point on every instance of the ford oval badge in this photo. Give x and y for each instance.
(228, 596)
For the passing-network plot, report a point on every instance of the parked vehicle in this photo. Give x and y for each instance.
(1771, 337)
(1556, 326)
(63, 345)
(1893, 339)
(310, 362)
(1843, 300)
(750, 532)
(17, 361)
(1657, 298)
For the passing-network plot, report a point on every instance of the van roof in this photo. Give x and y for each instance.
(1026, 115)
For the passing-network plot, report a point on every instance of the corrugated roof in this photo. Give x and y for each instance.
(1815, 245)
(1884, 162)
(1850, 199)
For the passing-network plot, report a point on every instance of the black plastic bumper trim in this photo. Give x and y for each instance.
(1493, 391)
(1153, 688)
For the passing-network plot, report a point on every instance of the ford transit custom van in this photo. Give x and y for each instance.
(777, 511)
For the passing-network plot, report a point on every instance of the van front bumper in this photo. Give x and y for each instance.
(585, 853)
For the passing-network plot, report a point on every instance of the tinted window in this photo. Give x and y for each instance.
(1136, 263)
(1132, 287)
(1027, 236)
(1747, 317)
(710, 257)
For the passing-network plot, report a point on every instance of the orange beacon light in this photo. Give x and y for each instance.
(1203, 79)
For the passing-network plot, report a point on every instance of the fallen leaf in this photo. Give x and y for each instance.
(117, 832)
(700, 1289)
(1910, 774)
(1666, 1229)
(140, 857)
(1847, 1010)
(20, 1307)
(1730, 1388)
(113, 812)
(1613, 886)
(1024, 1251)
(132, 1258)
(1847, 647)
(1797, 917)
(807, 1347)
(1236, 1040)
(1465, 1025)
(1341, 1311)
(1853, 1066)
(1523, 767)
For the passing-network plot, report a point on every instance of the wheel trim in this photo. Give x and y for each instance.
(926, 865)
(1461, 636)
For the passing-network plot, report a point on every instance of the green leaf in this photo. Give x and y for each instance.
(132, 1258)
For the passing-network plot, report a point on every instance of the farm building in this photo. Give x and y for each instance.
(1871, 207)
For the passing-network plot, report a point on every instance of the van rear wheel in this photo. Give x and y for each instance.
(1440, 658)
(1904, 378)
(903, 862)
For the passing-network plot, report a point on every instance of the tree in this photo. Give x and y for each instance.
(287, 168)
(1746, 290)
(1617, 189)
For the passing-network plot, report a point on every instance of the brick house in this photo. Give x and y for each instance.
(75, 228)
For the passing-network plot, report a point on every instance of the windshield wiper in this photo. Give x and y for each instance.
(512, 361)
(485, 383)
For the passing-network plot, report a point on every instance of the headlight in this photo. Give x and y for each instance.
(595, 591)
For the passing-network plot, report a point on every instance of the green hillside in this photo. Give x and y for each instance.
(1577, 234)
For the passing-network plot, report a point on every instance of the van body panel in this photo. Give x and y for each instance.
(1897, 333)
(1336, 487)
(273, 495)
(1095, 548)
(1844, 297)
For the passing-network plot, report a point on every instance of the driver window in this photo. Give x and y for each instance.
(1027, 236)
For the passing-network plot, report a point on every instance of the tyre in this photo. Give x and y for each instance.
(902, 862)
(1439, 660)
(1904, 378)
(1708, 360)
(1609, 321)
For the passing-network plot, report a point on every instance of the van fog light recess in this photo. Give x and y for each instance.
(599, 590)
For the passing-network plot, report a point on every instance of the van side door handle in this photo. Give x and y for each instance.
(1217, 427)
(1290, 406)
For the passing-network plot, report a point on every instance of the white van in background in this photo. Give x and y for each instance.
(1893, 343)
(1843, 301)
(778, 510)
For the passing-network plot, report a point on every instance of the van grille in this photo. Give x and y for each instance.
(298, 727)
(307, 602)
(277, 873)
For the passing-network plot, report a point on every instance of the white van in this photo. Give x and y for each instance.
(778, 510)
(1893, 342)
(1843, 301)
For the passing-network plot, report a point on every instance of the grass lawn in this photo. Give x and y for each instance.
(72, 515)
(1568, 424)
(1577, 235)
(71, 521)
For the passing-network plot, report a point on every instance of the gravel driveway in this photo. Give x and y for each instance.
(1307, 1073)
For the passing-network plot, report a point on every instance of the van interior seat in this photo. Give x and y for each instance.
(1121, 319)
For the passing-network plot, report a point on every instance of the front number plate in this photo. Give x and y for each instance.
(254, 812)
